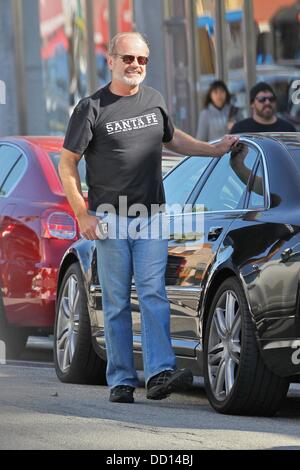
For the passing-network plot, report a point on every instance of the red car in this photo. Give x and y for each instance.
(37, 225)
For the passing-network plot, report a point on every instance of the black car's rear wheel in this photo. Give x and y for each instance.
(236, 378)
(74, 357)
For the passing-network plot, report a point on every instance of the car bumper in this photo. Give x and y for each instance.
(282, 356)
(33, 304)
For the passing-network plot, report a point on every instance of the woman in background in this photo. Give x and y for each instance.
(218, 115)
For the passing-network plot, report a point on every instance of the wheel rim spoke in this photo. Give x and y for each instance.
(229, 375)
(72, 346)
(230, 310)
(62, 338)
(63, 324)
(65, 307)
(215, 354)
(75, 303)
(216, 348)
(219, 321)
(215, 359)
(235, 352)
(220, 379)
(72, 291)
(66, 355)
(236, 326)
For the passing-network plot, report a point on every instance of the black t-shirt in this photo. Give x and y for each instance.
(250, 125)
(121, 138)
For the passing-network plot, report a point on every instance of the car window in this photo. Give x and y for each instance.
(226, 186)
(13, 176)
(181, 181)
(168, 162)
(8, 158)
(55, 157)
(257, 196)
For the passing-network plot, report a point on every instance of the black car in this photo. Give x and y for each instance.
(233, 287)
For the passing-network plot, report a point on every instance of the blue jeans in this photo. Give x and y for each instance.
(118, 260)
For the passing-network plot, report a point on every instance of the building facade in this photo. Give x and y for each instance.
(54, 53)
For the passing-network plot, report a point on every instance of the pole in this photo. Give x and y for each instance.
(91, 59)
(221, 56)
(20, 65)
(249, 39)
(113, 24)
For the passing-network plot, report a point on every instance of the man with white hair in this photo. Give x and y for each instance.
(121, 130)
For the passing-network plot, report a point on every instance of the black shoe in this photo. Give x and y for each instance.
(122, 394)
(163, 384)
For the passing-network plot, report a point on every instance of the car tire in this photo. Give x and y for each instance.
(236, 378)
(74, 356)
(13, 337)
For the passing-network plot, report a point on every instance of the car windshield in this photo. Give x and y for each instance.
(81, 168)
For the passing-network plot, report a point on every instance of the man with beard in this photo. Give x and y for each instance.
(264, 119)
(121, 130)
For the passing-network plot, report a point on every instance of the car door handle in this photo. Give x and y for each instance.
(214, 233)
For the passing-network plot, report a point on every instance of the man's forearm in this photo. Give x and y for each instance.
(70, 178)
(186, 144)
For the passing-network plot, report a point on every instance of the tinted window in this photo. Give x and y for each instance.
(257, 198)
(13, 176)
(226, 186)
(8, 157)
(180, 183)
(55, 157)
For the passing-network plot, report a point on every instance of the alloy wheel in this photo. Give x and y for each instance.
(67, 324)
(224, 345)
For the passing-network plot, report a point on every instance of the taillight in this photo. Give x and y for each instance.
(59, 225)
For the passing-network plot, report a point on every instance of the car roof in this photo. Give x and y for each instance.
(55, 143)
(48, 143)
(291, 140)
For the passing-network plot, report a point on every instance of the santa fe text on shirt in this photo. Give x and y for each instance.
(125, 125)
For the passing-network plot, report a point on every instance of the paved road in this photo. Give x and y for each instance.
(39, 349)
(39, 412)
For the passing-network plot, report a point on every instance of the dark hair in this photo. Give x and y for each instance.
(214, 86)
(260, 86)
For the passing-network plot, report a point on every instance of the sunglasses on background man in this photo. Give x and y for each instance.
(263, 99)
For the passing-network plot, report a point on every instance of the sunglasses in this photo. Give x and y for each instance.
(128, 59)
(263, 99)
